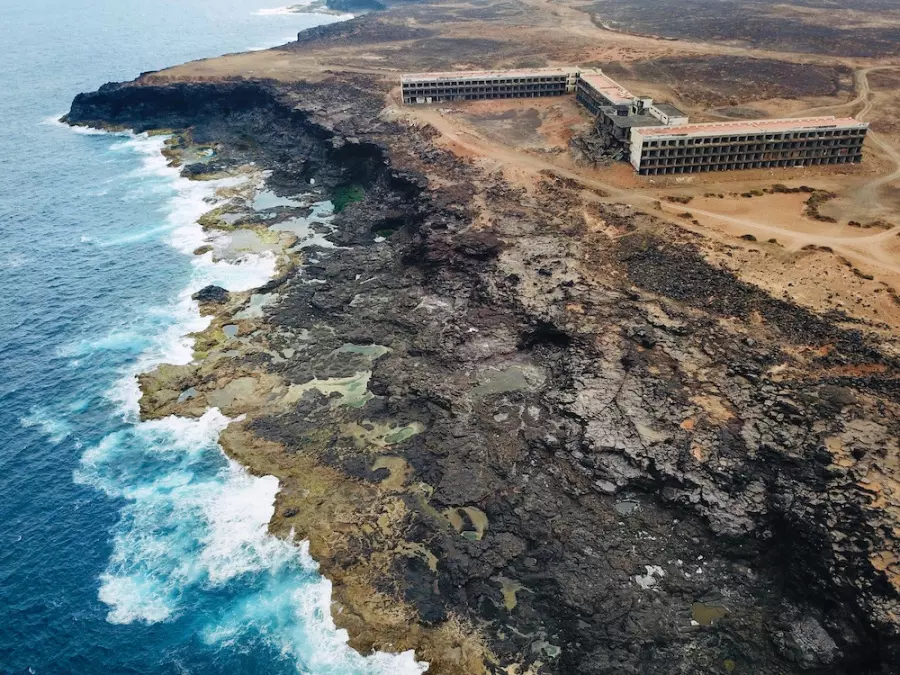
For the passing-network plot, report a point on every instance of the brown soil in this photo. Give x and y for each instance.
(653, 304)
(865, 28)
(711, 81)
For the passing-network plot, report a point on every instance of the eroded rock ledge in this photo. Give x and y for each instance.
(559, 443)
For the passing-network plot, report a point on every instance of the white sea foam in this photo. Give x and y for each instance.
(14, 261)
(50, 425)
(283, 608)
(195, 521)
(90, 131)
(301, 7)
(236, 541)
(132, 599)
(116, 341)
(56, 121)
(190, 200)
(278, 11)
(79, 405)
(187, 530)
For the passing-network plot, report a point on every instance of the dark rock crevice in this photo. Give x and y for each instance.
(612, 443)
(253, 121)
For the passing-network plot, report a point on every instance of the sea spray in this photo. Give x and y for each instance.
(52, 426)
(192, 537)
(302, 7)
(67, 201)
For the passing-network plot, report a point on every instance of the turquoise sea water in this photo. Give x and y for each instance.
(127, 547)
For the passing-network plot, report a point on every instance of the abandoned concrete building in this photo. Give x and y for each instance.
(655, 137)
(474, 85)
(594, 91)
(746, 145)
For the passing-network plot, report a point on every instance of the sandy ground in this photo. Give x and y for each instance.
(824, 266)
(812, 262)
(766, 239)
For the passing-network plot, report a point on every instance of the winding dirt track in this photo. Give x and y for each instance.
(868, 197)
(868, 250)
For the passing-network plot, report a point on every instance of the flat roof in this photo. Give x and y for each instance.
(755, 126)
(469, 74)
(628, 121)
(606, 86)
(669, 109)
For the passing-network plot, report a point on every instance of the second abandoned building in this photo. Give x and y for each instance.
(656, 138)
(481, 84)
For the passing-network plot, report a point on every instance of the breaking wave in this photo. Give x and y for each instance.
(55, 429)
(278, 11)
(192, 538)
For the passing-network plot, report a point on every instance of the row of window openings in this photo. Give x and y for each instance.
(598, 99)
(527, 87)
(451, 96)
(768, 137)
(457, 83)
(728, 159)
(656, 170)
(712, 150)
(593, 105)
(733, 152)
(475, 97)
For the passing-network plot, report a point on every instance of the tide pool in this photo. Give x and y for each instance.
(128, 546)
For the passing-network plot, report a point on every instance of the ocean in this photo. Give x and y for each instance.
(128, 546)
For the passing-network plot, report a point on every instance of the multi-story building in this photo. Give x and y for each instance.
(594, 90)
(617, 121)
(748, 144)
(668, 114)
(656, 137)
(474, 85)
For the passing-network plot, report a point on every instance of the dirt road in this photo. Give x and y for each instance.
(869, 198)
(866, 251)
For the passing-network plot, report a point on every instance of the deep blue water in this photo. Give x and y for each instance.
(127, 547)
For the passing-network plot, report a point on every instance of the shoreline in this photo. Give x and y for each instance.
(240, 313)
(309, 7)
(494, 339)
(208, 241)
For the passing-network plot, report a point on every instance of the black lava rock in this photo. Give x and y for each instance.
(211, 293)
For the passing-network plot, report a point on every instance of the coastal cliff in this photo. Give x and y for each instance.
(525, 432)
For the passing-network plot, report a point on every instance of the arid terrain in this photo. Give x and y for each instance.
(536, 415)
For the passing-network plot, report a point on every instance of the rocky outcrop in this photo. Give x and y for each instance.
(256, 121)
(211, 294)
(562, 443)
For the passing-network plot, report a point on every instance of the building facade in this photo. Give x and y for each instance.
(667, 114)
(475, 85)
(726, 146)
(655, 137)
(594, 90)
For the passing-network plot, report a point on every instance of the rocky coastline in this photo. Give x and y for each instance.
(553, 439)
